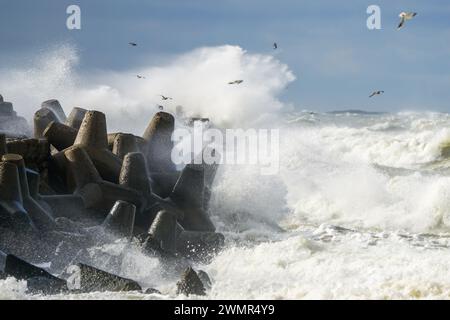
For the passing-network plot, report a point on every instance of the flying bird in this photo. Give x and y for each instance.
(133, 44)
(165, 98)
(160, 107)
(236, 82)
(405, 16)
(140, 77)
(275, 46)
(376, 93)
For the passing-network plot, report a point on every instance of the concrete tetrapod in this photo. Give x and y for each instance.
(88, 279)
(92, 137)
(76, 117)
(96, 192)
(158, 135)
(133, 176)
(188, 194)
(55, 106)
(59, 135)
(12, 211)
(124, 143)
(42, 119)
(163, 232)
(120, 220)
(41, 219)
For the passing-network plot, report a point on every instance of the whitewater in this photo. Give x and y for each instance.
(360, 208)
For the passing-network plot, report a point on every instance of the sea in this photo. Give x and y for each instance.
(359, 209)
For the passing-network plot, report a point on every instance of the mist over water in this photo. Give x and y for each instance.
(359, 209)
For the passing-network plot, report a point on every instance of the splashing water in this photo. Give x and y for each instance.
(198, 81)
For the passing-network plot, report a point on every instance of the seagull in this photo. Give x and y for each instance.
(236, 82)
(405, 16)
(140, 77)
(275, 46)
(165, 98)
(375, 93)
(133, 44)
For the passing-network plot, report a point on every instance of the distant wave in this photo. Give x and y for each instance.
(357, 112)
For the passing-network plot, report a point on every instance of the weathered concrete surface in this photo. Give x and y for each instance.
(91, 279)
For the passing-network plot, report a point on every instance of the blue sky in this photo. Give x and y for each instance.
(336, 59)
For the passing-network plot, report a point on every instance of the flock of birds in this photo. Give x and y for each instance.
(165, 98)
(404, 16)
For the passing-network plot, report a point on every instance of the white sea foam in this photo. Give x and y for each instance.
(353, 266)
(335, 173)
(11, 289)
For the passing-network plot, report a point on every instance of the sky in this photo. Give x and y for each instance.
(337, 61)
